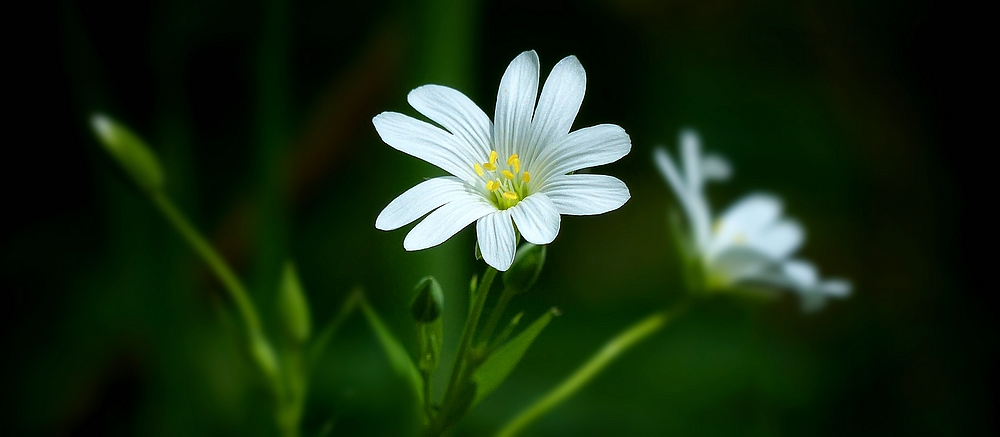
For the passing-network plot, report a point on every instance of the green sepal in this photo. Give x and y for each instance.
(428, 300)
(293, 306)
(694, 277)
(501, 362)
(399, 359)
(526, 268)
(430, 338)
(130, 151)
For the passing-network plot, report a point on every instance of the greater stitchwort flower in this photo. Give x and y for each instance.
(515, 171)
(750, 244)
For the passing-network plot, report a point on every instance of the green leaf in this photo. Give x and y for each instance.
(394, 350)
(500, 363)
(323, 339)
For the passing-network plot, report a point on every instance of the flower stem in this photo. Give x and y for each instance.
(491, 323)
(611, 350)
(232, 284)
(468, 332)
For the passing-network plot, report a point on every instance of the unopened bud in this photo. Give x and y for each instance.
(428, 301)
(527, 266)
(130, 151)
(293, 306)
(263, 355)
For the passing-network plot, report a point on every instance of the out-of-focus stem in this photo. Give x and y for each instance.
(611, 350)
(468, 333)
(229, 280)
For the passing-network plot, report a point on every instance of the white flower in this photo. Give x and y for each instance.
(513, 172)
(751, 244)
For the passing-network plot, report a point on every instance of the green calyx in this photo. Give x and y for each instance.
(428, 301)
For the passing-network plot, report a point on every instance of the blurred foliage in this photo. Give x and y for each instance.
(261, 114)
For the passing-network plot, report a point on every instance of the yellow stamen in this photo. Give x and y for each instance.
(507, 174)
(493, 157)
(478, 168)
(510, 195)
(490, 167)
(526, 177)
(491, 185)
(510, 161)
(517, 165)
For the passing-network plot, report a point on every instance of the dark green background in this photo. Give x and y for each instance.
(260, 112)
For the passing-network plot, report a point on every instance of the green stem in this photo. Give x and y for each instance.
(468, 332)
(611, 350)
(491, 323)
(232, 284)
(428, 408)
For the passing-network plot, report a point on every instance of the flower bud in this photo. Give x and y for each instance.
(263, 355)
(130, 152)
(293, 306)
(429, 300)
(527, 266)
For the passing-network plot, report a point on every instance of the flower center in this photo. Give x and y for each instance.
(505, 184)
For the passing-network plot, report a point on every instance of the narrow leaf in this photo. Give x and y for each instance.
(323, 339)
(500, 363)
(394, 350)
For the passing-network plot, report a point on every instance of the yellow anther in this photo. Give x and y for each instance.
(493, 157)
(507, 174)
(492, 185)
(517, 165)
(510, 161)
(526, 177)
(490, 167)
(510, 195)
(478, 168)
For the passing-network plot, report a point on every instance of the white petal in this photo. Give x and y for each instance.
(456, 113)
(740, 264)
(813, 293)
(715, 168)
(691, 151)
(744, 220)
(583, 148)
(558, 105)
(419, 200)
(694, 203)
(495, 233)
(779, 240)
(516, 103)
(446, 221)
(670, 172)
(802, 273)
(537, 218)
(586, 194)
(836, 287)
(427, 142)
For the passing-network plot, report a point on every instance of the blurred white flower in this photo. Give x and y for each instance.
(750, 244)
(513, 172)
